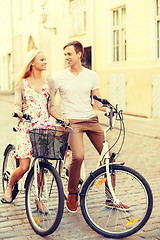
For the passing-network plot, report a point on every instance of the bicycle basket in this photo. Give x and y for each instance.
(48, 143)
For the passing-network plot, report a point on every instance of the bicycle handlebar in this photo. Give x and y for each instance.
(28, 117)
(25, 116)
(113, 110)
(113, 115)
(103, 101)
(62, 123)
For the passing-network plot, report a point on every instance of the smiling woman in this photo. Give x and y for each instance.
(37, 92)
(38, 66)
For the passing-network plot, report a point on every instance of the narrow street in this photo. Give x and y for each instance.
(140, 152)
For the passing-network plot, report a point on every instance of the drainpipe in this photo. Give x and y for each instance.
(93, 35)
(12, 48)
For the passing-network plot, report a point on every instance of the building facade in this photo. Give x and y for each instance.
(121, 40)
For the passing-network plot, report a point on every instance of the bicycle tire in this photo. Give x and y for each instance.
(52, 197)
(131, 188)
(9, 164)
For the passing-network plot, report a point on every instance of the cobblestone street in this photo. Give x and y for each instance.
(140, 152)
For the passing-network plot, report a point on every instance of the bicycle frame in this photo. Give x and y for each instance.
(36, 171)
(104, 159)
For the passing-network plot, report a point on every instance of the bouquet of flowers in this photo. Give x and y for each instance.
(49, 124)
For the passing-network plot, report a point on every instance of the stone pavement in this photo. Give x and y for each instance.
(141, 151)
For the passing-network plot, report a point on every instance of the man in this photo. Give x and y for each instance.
(76, 84)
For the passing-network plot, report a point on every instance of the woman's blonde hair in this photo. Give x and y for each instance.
(27, 68)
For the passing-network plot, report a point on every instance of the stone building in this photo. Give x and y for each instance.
(121, 40)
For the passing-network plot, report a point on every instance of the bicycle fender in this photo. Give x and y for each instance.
(6, 150)
(30, 174)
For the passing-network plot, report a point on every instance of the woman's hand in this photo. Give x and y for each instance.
(20, 114)
(55, 115)
(65, 120)
(24, 107)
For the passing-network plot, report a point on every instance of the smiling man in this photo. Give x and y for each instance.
(76, 84)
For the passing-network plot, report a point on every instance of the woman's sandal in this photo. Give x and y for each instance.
(14, 194)
(15, 191)
(6, 199)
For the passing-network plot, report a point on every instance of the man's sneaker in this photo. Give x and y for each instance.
(71, 203)
(120, 206)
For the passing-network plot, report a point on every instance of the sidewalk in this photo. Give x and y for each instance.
(137, 125)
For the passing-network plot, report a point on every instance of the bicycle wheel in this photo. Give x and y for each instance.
(45, 219)
(9, 165)
(130, 188)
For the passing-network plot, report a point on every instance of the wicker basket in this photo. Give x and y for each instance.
(48, 143)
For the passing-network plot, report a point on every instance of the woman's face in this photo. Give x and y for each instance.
(40, 62)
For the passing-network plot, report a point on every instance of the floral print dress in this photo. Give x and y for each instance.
(37, 108)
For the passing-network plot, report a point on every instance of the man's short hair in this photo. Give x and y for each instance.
(77, 46)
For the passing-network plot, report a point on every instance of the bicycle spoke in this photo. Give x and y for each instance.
(130, 211)
(45, 210)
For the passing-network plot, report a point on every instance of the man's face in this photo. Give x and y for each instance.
(71, 56)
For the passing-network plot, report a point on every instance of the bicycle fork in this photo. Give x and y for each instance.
(105, 154)
(40, 185)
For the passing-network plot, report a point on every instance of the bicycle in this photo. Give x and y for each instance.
(115, 182)
(44, 196)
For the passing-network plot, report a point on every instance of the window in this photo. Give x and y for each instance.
(158, 28)
(119, 34)
(86, 60)
(78, 16)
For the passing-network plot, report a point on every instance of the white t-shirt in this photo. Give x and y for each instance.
(75, 92)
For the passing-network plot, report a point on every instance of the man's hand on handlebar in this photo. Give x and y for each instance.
(107, 110)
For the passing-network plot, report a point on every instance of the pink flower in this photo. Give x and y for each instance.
(43, 89)
(45, 94)
(33, 124)
(39, 115)
(31, 100)
(28, 131)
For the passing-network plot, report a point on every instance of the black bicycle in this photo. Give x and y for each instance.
(44, 196)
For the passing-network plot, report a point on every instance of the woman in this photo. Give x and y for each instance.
(38, 93)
